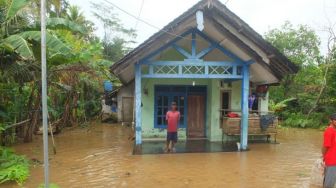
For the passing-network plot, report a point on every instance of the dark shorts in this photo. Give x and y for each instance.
(329, 177)
(172, 136)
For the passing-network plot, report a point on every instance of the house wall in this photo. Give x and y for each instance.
(148, 130)
(263, 104)
(213, 119)
(125, 91)
(216, 89)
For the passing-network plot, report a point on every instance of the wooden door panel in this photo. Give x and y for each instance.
(127, 109)
(196, 116)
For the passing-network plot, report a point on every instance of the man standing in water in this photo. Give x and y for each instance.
(173, 118)
(329, 153)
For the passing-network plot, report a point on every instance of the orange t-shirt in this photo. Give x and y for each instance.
(173, 117)
(330, 143)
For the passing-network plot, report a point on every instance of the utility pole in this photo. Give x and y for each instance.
(44, 93)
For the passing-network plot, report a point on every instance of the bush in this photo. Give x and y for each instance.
(13, 167)
(297, 119)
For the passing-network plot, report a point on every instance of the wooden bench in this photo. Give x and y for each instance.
(231, 127)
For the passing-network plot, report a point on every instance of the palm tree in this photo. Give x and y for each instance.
(75, 15)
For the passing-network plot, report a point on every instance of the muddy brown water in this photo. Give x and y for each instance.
(102, 157)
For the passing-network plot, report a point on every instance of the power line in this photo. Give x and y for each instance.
(147, 23)
(139, 14)
(226, 2)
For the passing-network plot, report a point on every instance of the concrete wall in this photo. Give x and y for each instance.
(213, 120)
(125, 91)
(148, 130)
(263, 104)
(216, 89)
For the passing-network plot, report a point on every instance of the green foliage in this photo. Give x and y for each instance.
(115, 49)
(300, 44)
(117, 38)
(78, 62)
(313, 104)
(280, 106)
(20, 45)
(315, 120)
(61, 23)
(14, 7)
(13, 167)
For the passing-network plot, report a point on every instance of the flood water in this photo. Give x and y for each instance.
(101, 156)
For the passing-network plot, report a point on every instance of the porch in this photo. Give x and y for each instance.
(187, 146)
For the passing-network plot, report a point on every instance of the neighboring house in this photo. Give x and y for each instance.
(125, 103)
(120, 100)
(207, 60)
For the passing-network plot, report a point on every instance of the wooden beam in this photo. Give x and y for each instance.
(204, 52)
(245, 48)
(228, 53)
(151, 69)
(195, 63)
(257, 39)
(182, 51)
(245, 109)
(138, 139)
(194, 76)
(193, 44)
(166, 46)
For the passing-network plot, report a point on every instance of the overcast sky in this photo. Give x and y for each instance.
(261, 15)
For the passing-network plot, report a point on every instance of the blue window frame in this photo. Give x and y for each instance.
(163, 99)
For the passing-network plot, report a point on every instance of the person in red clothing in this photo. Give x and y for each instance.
(172, 118)
(329, 153)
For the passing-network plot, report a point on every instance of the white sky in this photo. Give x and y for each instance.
(261, 15)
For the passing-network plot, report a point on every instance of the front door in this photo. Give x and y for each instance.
(196, 116)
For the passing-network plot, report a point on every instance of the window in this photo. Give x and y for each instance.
(180, 101)
(162, 105)
(162, 108)
(226, 102)
(164, 96)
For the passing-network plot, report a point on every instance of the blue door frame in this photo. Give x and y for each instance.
(170, 93)
(194, 67)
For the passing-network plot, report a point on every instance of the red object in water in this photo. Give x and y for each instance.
(232, 115)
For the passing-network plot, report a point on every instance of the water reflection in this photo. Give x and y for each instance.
(102, 157)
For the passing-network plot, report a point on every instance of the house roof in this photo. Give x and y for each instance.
(227, 29)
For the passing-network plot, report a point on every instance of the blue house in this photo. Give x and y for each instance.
(209, 62)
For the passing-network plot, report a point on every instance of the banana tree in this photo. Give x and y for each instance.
(20, 50)
(25, 37)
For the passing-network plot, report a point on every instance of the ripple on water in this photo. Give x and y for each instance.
(101, 157)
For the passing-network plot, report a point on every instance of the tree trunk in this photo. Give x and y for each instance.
(31, 127)
(324, 85)
(66, 112)
(74, 119)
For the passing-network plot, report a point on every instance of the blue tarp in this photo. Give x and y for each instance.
(108, 85)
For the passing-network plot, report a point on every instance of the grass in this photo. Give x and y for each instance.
(13, 167)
